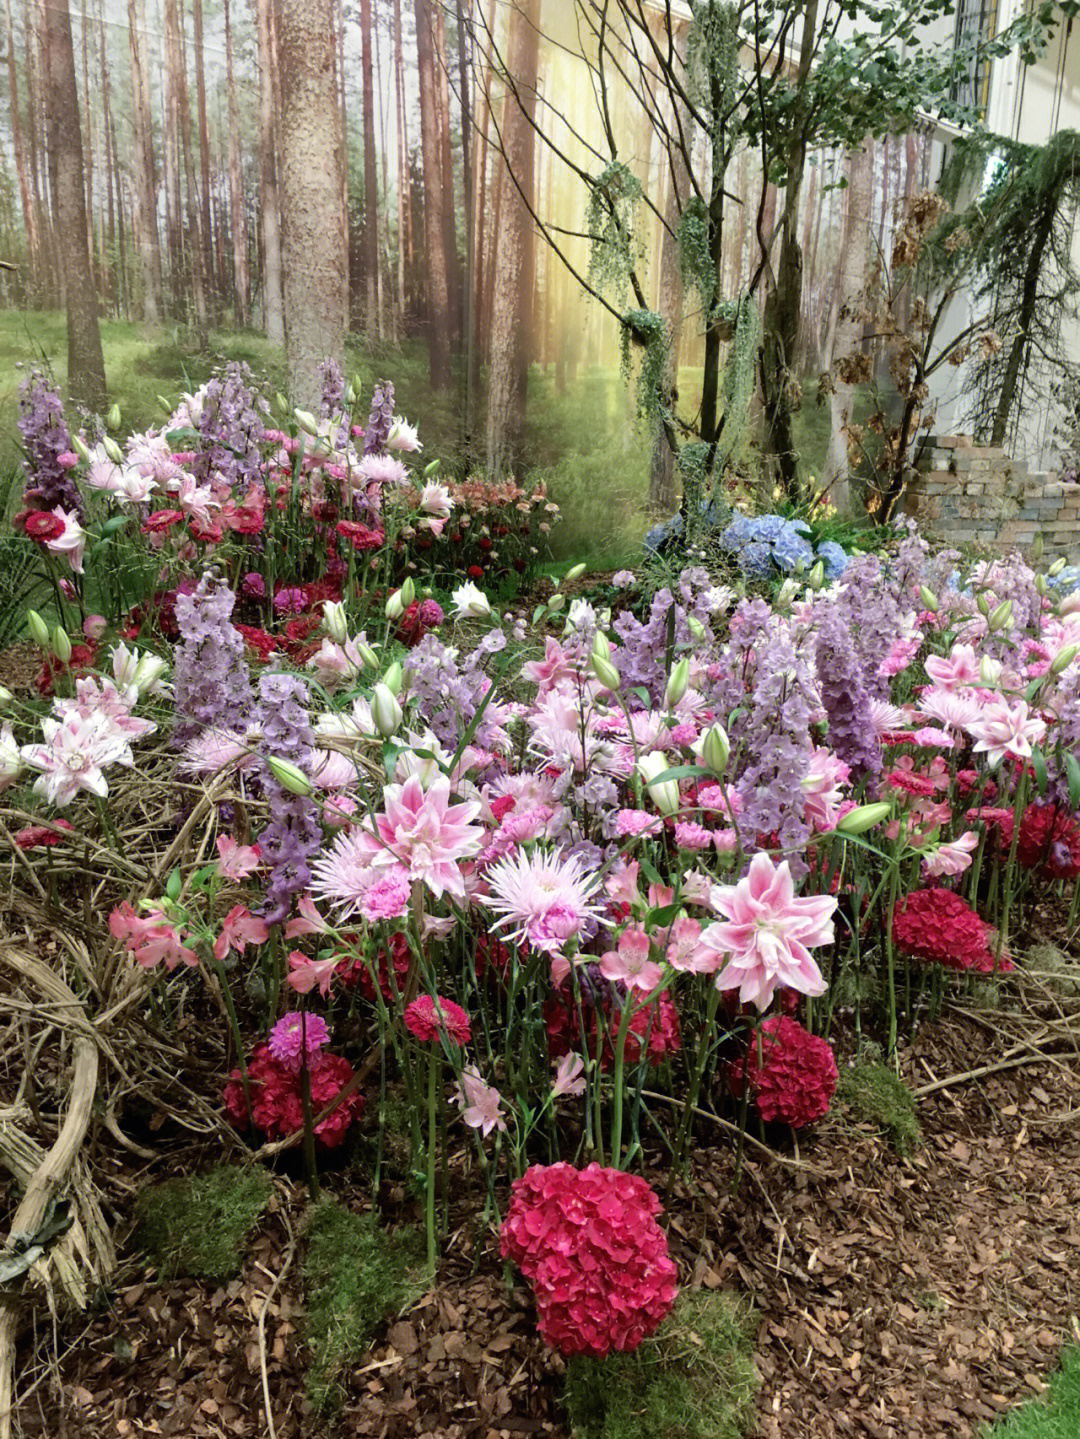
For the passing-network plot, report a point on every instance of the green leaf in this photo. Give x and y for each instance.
(174, 885)
(1038, 764)
(1072, 770)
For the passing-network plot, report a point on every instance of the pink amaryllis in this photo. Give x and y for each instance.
(766, 933)
(542, 898)
(480, 1103)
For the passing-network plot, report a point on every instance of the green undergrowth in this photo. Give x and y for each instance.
(197, 1225)
(356, 1274)
(694, 1379)
(1054, 1415)
(878, 1096)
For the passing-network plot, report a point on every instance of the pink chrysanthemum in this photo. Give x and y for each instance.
(294, 1033)
(544, 898)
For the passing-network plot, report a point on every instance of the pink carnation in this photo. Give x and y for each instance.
(427, 1017)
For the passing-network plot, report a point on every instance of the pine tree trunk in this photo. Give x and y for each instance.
(845, 325)
(237, 199)
(270, 217)
(86, 363)
(206, 230)
(26, 197)
(449, 208)
(514, 258)
(371, 179)
(144, 188)
(436, 200)
(312, 154)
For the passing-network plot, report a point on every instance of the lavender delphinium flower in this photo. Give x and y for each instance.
(333, 387)
(231, 426)
(293, 836)
(846, 698)
(381, 419)
(874, 614)
(211, 681)
(46, 438)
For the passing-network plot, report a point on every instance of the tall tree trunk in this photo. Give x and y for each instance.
(480, 211)
(26, 196)
(845, 323)
(468, 151)
(181, 109)
(312, 155)
(779, 383)
(237, 200)
(144, 188)
(86, 363)
(113, 278)
(371, 178)
(437, 197)
(92, 122)
(449, 209)
(512, 321)
(206, 231)
(404, 179)
(270, 217)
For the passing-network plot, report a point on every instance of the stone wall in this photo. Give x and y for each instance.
(974, 494)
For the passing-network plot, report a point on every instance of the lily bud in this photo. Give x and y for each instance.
(983, 604)
(1063, 659)
(785, 594)
(289, 775)
(678, 682)
(665, 793)
(80, 449)
(112, 419)
(929, 599)
(395, 606)
(148, 671)
(1037, 546)
(61, 645)
(863, 817)
(1057, 567)
(573, 573)
(408, 592)
(605, 671)
(816, 578)
(281, 404)
(1042, 584)
(165, 403)
(39, 630)
(556, 603)
(696, 628)
(113, 450)
(369, 657)
(6, 697)
(716, 749)
(334, 621)
(393, 677)
(989, 672)
(601, 645)
(350, 394)
(385, 711)
(998, 619)
(307, 421)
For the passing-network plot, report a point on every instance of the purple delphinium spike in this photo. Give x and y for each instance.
(845, 698)
(293, 836)
(381, 420)
(46, 438)
(333, 388)
(210, 675)
(232, 429)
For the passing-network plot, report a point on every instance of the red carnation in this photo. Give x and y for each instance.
(918, 784)
(43, 525)
(427, 1017)
(792, 1073)
(41, 836)
(475, 572)
(359, 536)
(656, 1024)
(588, 1242)
(262, 643)
(277, 1106)
(160, 521)
(936, 925)
(1049, 840)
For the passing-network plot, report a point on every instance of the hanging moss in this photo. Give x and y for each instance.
(695, 260)
(744, 318)
(712, 54)
(649, 334)
(609, 223)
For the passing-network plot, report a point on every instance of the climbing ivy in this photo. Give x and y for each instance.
(609, 223)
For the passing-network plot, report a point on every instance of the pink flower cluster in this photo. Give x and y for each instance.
(588, 1242)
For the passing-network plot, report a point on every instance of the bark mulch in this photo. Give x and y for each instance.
(899, 1299)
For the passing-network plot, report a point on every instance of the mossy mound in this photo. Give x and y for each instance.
(197, 1225)
(875, 1094)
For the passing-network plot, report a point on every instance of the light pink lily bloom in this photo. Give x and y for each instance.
(77, 750)
(766, 933)
(823, 788)
(1006, 729)
(569, 1076)
(953, 858)
(236, 861)
(71, 542)
(480, 1103)
(630, 964)
(240, 928)
(686, 952)
(959, 670)
(421, 830)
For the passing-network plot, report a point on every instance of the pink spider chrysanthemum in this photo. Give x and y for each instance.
(295, 1033)
(542, 898)
(766, 933)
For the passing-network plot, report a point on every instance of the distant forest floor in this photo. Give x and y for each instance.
(585, 444)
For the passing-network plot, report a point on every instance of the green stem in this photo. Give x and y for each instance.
(432, 1146)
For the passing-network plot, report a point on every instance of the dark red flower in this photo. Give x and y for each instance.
(160, 521)
(475, 572)
(427, 1017)
(653, 1032)
(262, 643)
(82, 658)
(277, 1106)
(359, 536)
(1049, 840)
(484, 543)
(41, 836)
(42, 525)
(936, 925)
(791, 1073)
(588, 1242)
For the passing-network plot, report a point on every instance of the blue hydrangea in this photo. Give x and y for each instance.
(1067, 580)
(834, 558)
(790, 550)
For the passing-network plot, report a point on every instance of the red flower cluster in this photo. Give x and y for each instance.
(82, 657)
(277, 1106)
(423, 1021)
(353, 971)
(791, 1073)
(1049, 840)
(358, 535)
(588, 1242)
(938, 926)
(421, 617)
(41, 836)
(657, 1025)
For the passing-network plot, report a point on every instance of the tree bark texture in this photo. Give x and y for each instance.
(269, 201)
(438, 195)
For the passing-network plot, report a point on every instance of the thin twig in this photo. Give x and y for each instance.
(289, 1253)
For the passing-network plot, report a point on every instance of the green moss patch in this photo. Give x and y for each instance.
(694, 1379)
(877, 1095)
(356, 1275)
(197, 1225)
